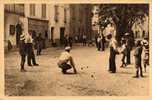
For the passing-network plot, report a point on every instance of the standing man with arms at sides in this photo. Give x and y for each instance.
(30, 50)
(84, 38)
(137, 54)
(113, 52)
(39, 43)
(64, 58)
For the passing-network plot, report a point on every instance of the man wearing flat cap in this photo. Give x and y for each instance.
(22, 51)
(64, 60)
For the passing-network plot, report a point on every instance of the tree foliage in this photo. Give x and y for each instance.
(123, 15)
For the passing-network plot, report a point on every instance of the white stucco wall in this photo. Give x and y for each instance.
(10, 19)
(60, 23)
(139, 27)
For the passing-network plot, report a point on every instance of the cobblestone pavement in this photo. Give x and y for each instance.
(92, 78)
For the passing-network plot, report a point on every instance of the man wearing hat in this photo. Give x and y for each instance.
(22, 51)
(64, 59)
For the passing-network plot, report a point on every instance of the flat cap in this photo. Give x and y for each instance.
(67, 48)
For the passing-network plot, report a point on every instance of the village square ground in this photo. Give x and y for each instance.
(92, 78)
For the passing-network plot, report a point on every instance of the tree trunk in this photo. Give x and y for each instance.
(122, 28)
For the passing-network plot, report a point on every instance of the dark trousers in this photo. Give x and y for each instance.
(84, 42)
(30, 54)
(139, 68)
(128, 57)
(39, 49)
(112, 64)
(70, 43)
(123, 60)
(96, 43)
(65, 67)
(22, 61)
(103, 46)
(99, 46)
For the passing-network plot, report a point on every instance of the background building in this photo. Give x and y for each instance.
(52, 21)
(12, 15)
(141, 28)
(80, 20)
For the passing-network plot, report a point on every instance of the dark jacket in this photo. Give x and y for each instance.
(22, 47)
(137, 54)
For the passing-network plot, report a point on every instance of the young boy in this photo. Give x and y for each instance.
(137, 54)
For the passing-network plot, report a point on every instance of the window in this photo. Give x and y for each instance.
(65, 15)
(12, 29)
(56, 13)
(15, 8)
(19, 8)
(32, 9)
(43, 10)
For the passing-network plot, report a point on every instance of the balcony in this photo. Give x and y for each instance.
(15, 8)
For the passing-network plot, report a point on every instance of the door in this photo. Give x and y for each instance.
(62, 30)
(52, 31)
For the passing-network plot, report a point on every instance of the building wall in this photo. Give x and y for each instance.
(139, 26)
(10, 19)
(60, 23)
(81, 24)
(80, 19)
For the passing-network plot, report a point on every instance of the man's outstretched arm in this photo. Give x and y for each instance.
(73, 65)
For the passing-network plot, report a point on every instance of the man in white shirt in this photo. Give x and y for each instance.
(64, 58)
(30, 50)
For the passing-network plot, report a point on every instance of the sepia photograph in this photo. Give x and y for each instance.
(76, 49)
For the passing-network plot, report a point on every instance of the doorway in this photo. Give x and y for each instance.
(62, 30)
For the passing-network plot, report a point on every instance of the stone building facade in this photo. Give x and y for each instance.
(80, 20)
(51, 20)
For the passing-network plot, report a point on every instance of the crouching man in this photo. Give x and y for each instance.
(66, 61)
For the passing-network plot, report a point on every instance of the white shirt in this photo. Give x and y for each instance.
(28, 39)
(98, 39)
(123, 47)
(64, 57)
(113, 43)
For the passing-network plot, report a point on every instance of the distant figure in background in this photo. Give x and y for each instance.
(137, 54)
(66, 40)
(84, 38)
(96, 37)
(103, 42)
(39, 43)
(30, 50)
(146, 52)
(70, 40)
(22, 51)
(113, 52)
(99, 43)
(129, 47)
(76, 39)
(64, 58)
(124, 52)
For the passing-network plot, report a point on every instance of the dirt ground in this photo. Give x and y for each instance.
(92, 79)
